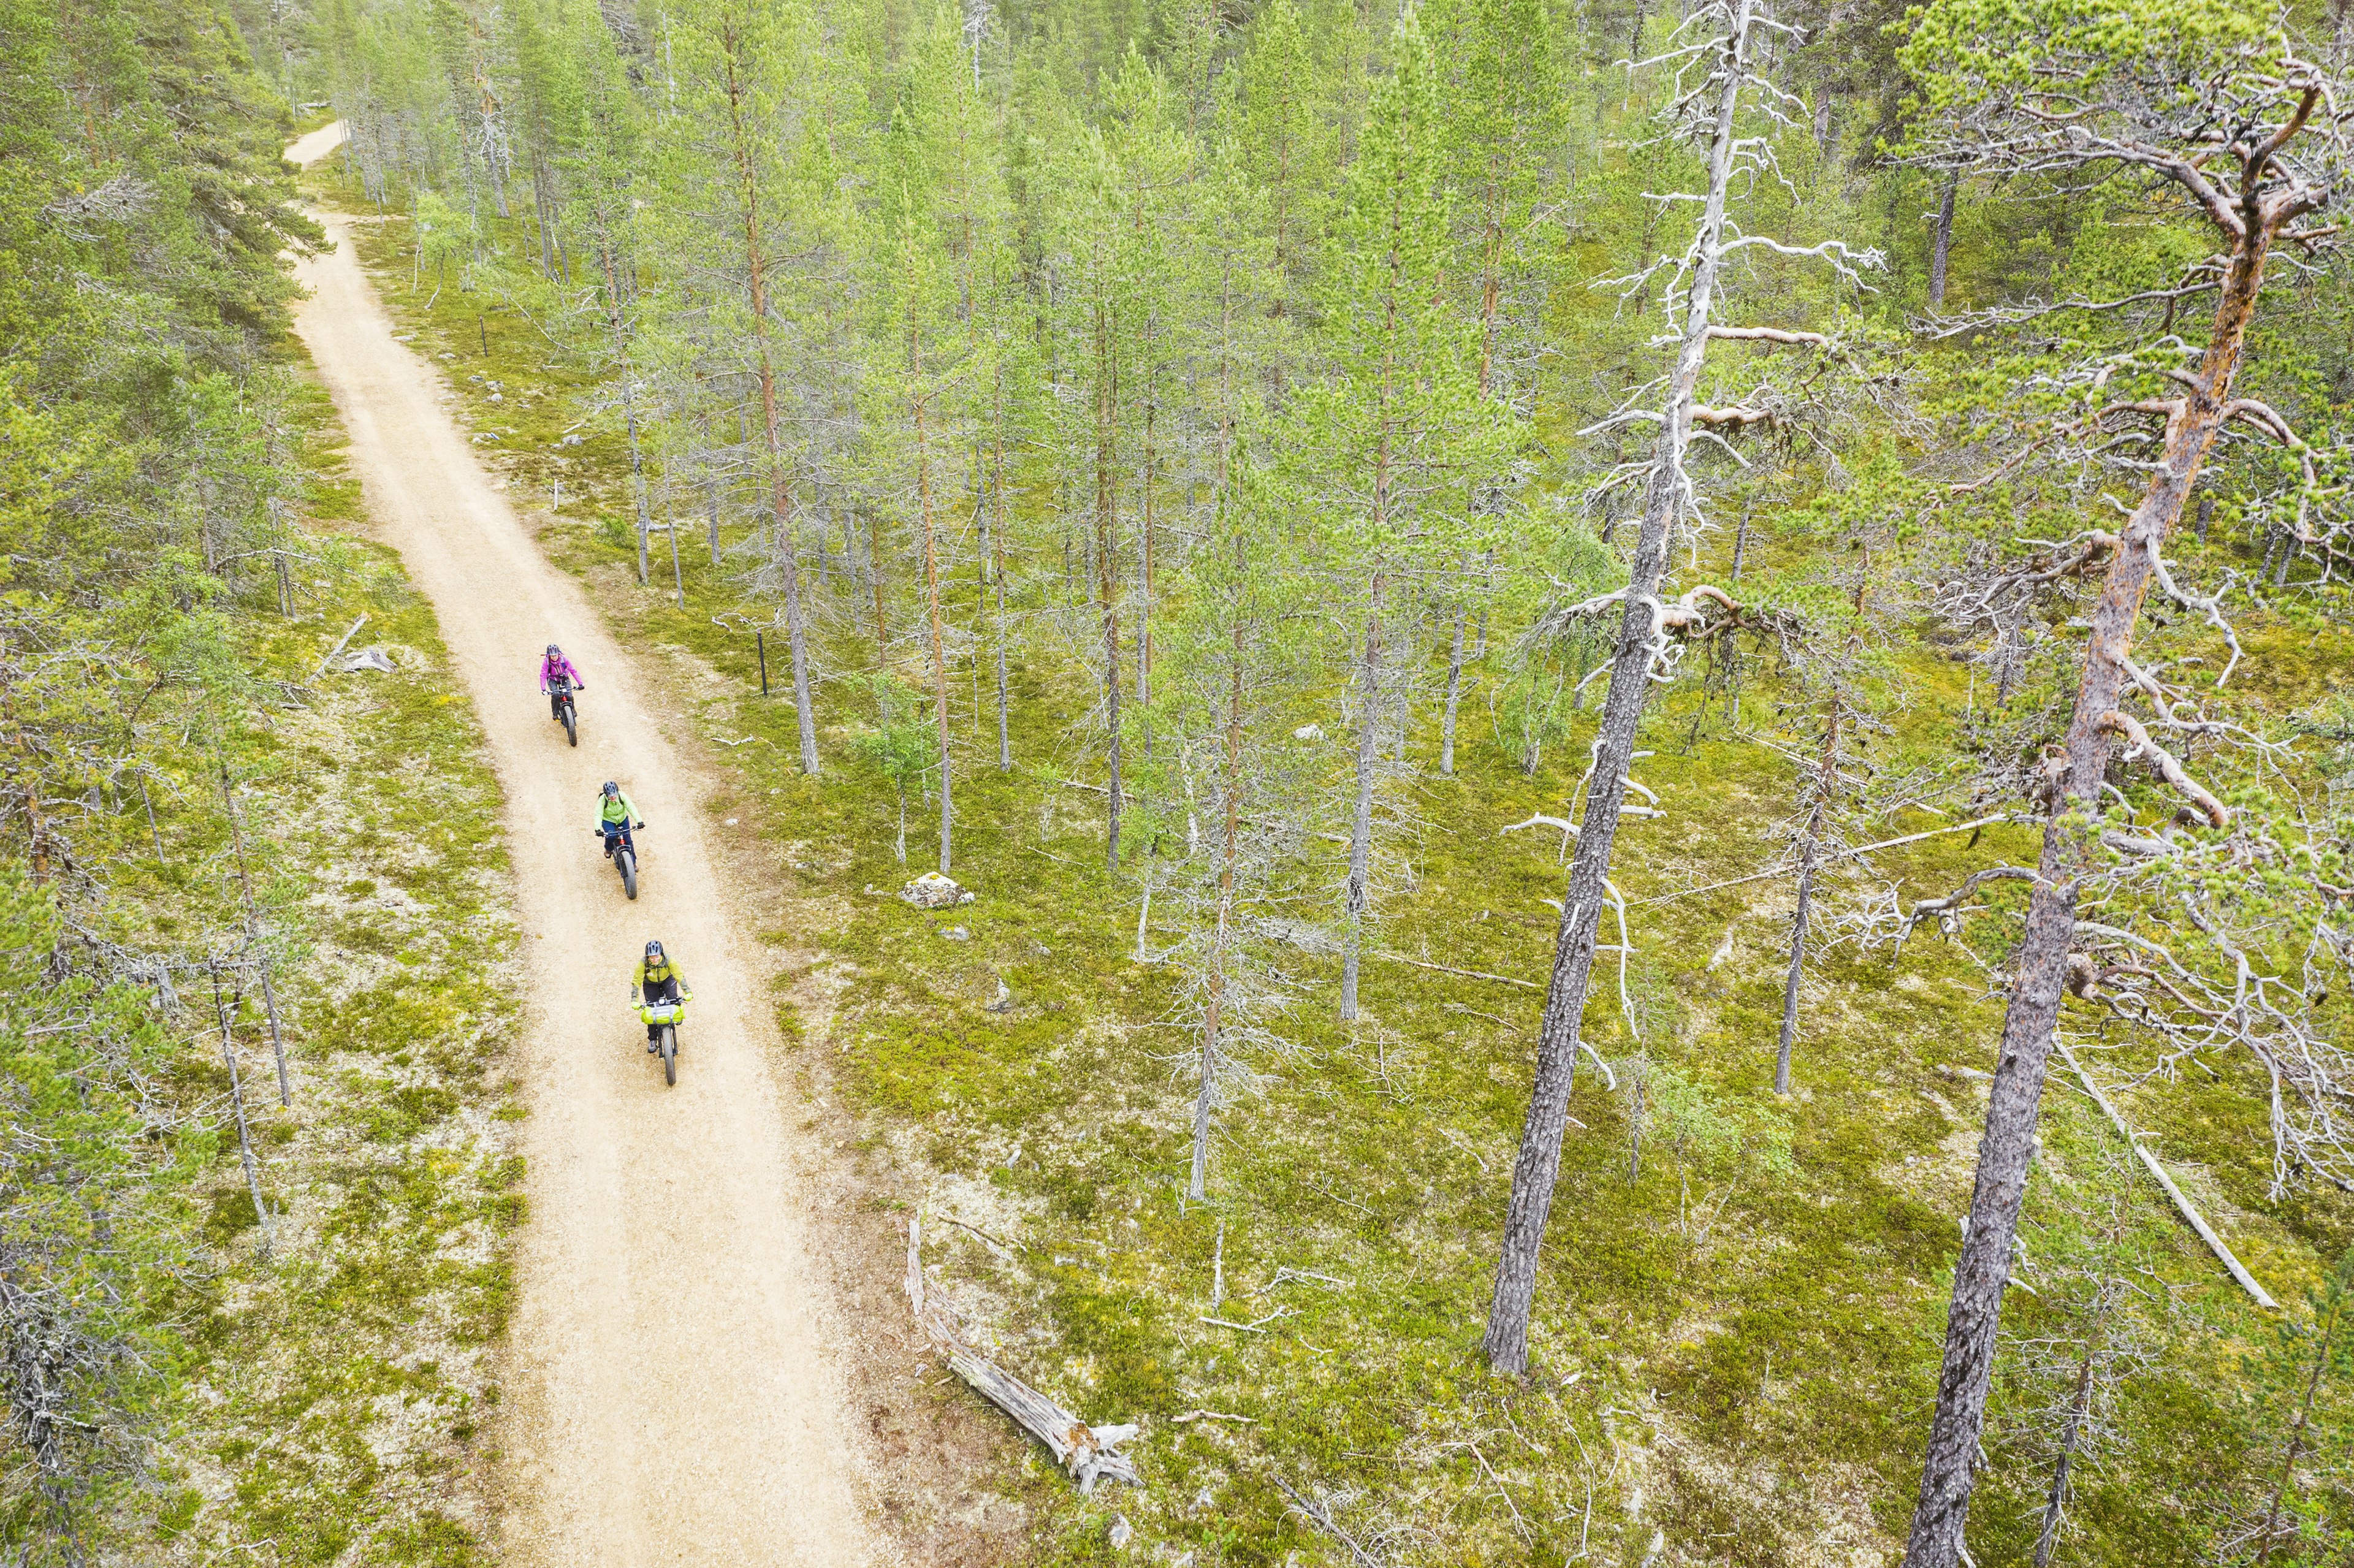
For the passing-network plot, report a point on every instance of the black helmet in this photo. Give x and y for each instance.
(611, 788)
(653, 949)
(553, 652)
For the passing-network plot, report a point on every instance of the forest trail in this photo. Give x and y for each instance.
(671, 1394)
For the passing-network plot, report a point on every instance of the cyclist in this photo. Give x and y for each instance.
(656, 982)
(616, 814)
(555, 667)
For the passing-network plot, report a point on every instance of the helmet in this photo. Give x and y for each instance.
(653, 950)
(611, 788)
(553, 652)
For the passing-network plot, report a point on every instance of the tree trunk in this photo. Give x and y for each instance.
(875, 580)
(1454, 683)
(1106, 563)
(1797, 957)
(1229, 851)
(995, 545)
(1941, 241)
(931, 584)
(2055, 1503)
(2041, 964)
(1361, 818)
(780, 503)
(1538, 1163)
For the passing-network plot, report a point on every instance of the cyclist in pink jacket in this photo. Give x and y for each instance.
(555, 667)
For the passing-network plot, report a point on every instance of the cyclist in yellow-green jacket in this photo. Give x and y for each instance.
(615, 813)
(657, 983)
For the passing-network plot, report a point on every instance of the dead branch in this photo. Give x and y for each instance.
(2197, 1223)
(2139, 744)
(1088, 1453)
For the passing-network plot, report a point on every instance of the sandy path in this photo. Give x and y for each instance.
(672, 1395)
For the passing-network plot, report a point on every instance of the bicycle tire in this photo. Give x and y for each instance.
(670, 1055)
(629, 864)
(571, 726)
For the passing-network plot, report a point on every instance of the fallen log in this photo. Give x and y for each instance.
(1088, 1453)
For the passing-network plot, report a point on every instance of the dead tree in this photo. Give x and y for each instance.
(2246, 135)
(1829, 778)
(1716, 57)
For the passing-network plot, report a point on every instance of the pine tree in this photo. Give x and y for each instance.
(1379, 445)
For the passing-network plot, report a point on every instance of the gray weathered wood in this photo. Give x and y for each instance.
(1088, 1453)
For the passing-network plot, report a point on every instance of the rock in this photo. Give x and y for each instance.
(1122, 1532)
(956, 934)
(572, 440)
(933, 891)
(1002, 1002)
(1309, 732)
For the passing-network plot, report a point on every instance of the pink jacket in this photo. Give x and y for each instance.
(561, 664)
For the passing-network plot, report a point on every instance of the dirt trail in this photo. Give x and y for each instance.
(672, 1394)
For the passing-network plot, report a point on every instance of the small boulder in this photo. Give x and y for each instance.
(956, 934)
(1122, 1532)
(1309, 732)
(933, 891)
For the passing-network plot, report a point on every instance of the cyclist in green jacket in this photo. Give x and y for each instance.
(657, 984)
(616, 813)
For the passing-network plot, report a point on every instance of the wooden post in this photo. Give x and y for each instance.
(760, 642)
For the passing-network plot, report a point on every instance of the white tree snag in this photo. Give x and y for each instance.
(1538, 1163)
(1088, 1453)
(2215, 1244)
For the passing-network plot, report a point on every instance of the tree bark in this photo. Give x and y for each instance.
(1538, 1163)
(1797, 960)
(1941, 241)
(1454, 682)
(1214, 1013)
(2055, 1503)
(2039, 966)
(1106, 563)
(995, 545)
(1361, 818)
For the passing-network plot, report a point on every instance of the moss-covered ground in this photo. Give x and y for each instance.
(334, 1365)
(1739, 1315)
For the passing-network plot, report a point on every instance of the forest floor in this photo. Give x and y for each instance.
(1738, 1319)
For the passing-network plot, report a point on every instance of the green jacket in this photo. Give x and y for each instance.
(653, 976)
(617, 809)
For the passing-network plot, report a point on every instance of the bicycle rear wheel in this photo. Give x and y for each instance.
(669, 1048)
(627, 862)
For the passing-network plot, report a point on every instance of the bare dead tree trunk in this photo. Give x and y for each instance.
(1809, 848)
(995, 546)
(1106, 563)
(2072, 1426)
(261, 1216)
(780, 503)
(932, 585)
(1941, 240)
(1454, 677)
(1230, 839)
(253, 934)
(1538, 1163)
(2040, 966)
(2323, 1341)
(1360, 817)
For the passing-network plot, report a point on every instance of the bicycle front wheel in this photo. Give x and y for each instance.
(669, 1048)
